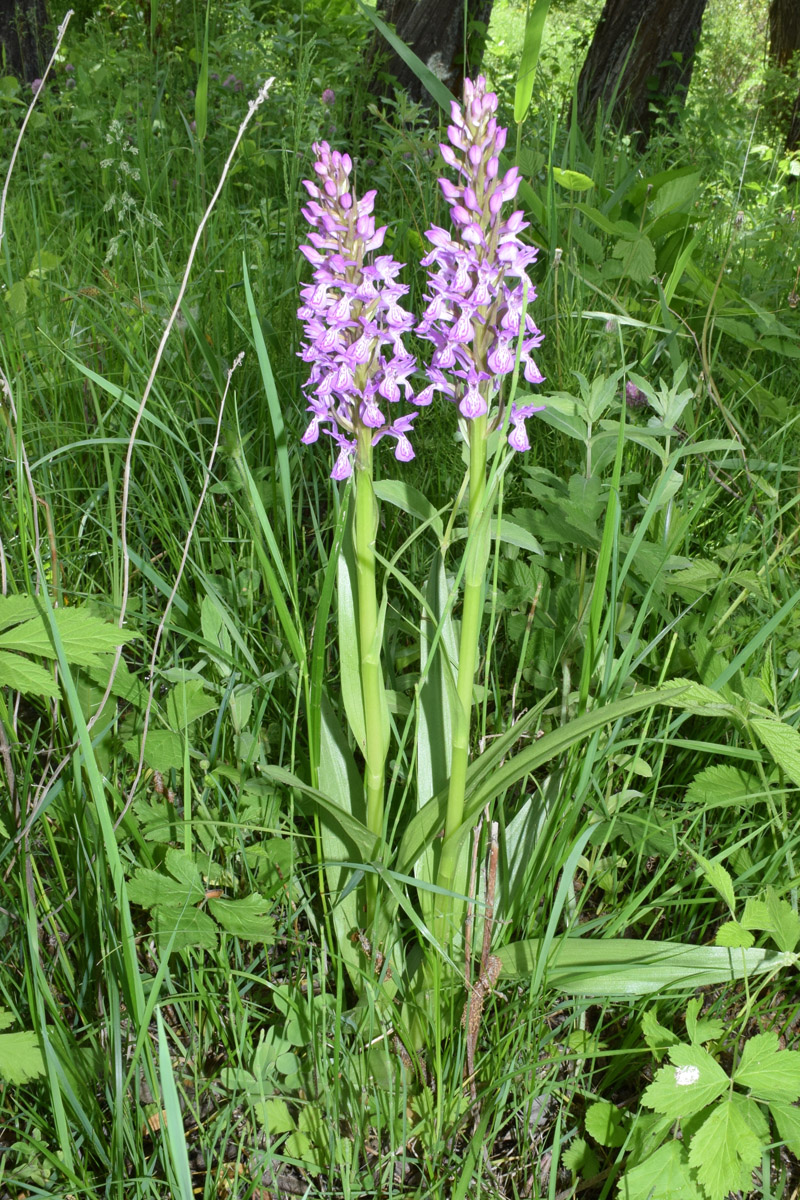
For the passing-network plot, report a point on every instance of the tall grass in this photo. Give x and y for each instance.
(179, 1017)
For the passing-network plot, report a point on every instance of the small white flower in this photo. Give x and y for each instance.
(686, 1076)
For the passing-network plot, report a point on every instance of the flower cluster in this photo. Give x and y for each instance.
(354, 321)
(478, 291)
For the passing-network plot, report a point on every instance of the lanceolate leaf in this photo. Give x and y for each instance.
(615, 967)
(534, 30)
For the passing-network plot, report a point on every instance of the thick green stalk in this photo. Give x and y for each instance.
(375, 730)
(471, 614)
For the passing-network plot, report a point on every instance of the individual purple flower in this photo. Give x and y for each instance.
(36, 86)
(476, 296)
(328, 97)
(634, 396)
(354, 321)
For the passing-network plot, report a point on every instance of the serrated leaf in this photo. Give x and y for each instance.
(580, 1158)
(21, 675)
(638, 257)
(663, 1176)
(784, 921)
(769, 1072)
(755, 915)
(184, 869)
(183, 927)
(604, 1122)
(150, 888)
(83, 636)
(753, 1115)
(14, 609)
(725, 1152)
(20, 1057)
(734, 935)
(787, 1119)
(274, 1115)
(706, 1029)
(719, 879)
(163, 749)
(246, 918)
(783, 743)
(699, 699)
(722, 786)
(693, 1081)
(657, 1037)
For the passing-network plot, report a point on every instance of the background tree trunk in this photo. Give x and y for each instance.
(784, 43)
(25, 41)
(642, 54)
(434, 30)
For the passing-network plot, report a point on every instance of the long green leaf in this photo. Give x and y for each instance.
(432, 84)
(534, 30)
(424, 826)
(618, 967)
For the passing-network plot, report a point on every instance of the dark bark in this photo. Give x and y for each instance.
(25, 40)
(434, 30)
(784, 44)
(640, 59)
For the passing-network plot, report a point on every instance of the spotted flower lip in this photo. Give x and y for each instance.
(478, 274)
(354, 320)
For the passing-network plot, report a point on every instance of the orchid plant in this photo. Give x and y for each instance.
(364, 385)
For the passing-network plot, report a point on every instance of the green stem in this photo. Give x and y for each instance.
(472, 611)
(375, 728)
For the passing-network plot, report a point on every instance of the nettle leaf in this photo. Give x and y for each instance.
(638, 257)
(734, 935)
(84, 637)
(707, 1029)
(606, 1123)
(787, 1120)
(20, 1057)
(693, 1081)
(246, 918)
(664, 1175)
(783, 743)
(724, 1152)
(21, 675)
(769, 1072)
(657, 1037)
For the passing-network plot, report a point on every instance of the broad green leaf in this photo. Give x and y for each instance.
(675, 193)
(212, 623)
(84, 637)
(692, 1081)
(734, 935)
(783, 743)
(513, 534)
(720, 786)
(664, 1175)
(756, 916)
(606, 1123)
(753, 1114)
(182, 867)
(275, 1117)
(180, 927)
(769, 1072)
(21, 675)
(701, 1029)
(409, 500)
(573, 181)
(725, 1152)
(580, 1159)
(787, 1119)
(246, 918)
(631, 967)
(14, 609)
(20, 1057)
(784, 921)
(701, 700)
(42, 262)
(187, 702)
(534, 29)
(150, 888)
(17, 298)
(638, 257)
(657, 1037)
(163, 749)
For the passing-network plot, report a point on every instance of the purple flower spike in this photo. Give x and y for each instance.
(354, 320)
(478, 273)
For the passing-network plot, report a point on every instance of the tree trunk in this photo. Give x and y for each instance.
(25, 41)
(641, 57)
(784, 43)
(434, 30)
